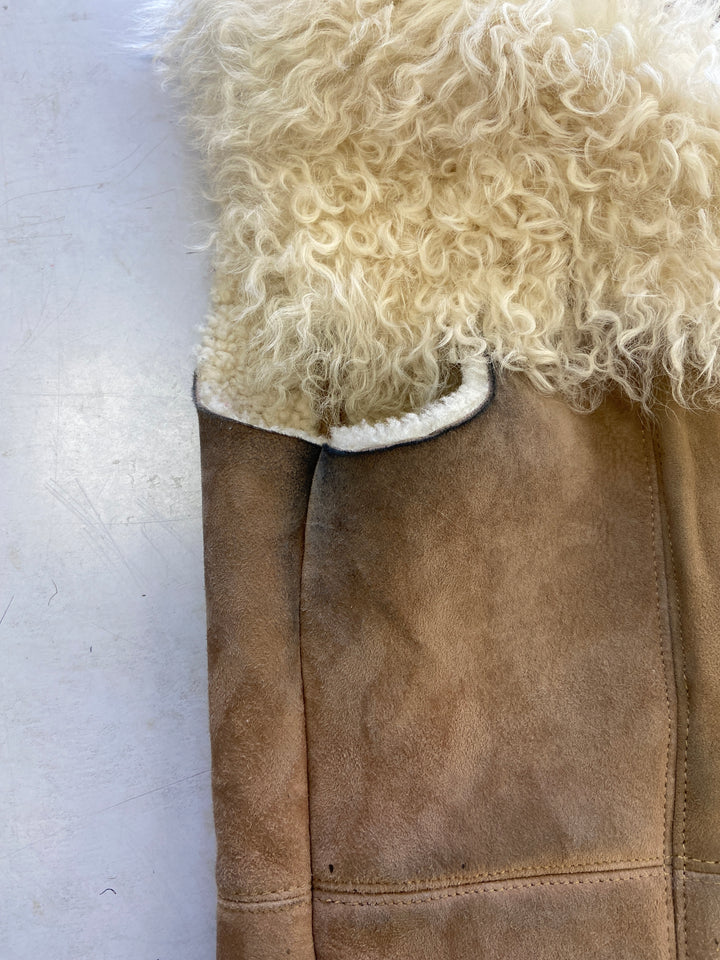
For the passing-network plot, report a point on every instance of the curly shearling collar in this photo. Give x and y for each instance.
(403, 188)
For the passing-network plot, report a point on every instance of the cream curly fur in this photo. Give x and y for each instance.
(402, 185)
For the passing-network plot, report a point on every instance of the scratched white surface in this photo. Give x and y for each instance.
(106, 847)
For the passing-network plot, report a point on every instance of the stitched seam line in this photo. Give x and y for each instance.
(378, 900)
(265, 894)
(667, 870)
(473, 877)
(302, 673)
(303, 892)
(697, 876)
(421, 886)
(250, 905)
(685, 744)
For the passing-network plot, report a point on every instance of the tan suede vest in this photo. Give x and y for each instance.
(459, 410)
(465, 692)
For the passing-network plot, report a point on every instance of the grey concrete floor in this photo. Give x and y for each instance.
(106, 845)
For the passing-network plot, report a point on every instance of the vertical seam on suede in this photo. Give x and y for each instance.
(682, 903)
(302, 689)
(685, 745)
(667, 823)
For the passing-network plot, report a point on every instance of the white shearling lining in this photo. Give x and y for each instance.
(435, 417)
(209, 399)
(448, 411)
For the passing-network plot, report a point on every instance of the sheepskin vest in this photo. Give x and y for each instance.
(459, 407)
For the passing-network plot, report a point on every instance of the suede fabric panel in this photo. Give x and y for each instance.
(255, 487)
(702, 933)
(265, 932)
(687, 447)
(688, 453)
(486, 659)
(616, 916)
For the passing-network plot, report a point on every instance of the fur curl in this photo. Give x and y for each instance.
(402, 185)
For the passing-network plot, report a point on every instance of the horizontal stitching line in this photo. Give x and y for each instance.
(264, 894)
(379, 902)
(697, 860)
(472, 877)
(266, 904)
(698, 876)
(301, 893)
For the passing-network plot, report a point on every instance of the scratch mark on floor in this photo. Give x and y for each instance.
(53, 595)
(150, 196)
(96, 528)
(165, 522)
(58, 411)
(147, 793)
(47, 319)
(7, 608)
(142, 160)
(118, 162)
(37, 193)
(69, 829)
(155, 547)
(114, 634)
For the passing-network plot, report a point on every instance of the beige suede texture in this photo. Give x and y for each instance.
(255, 490)
(688, 452)
(465, 692)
